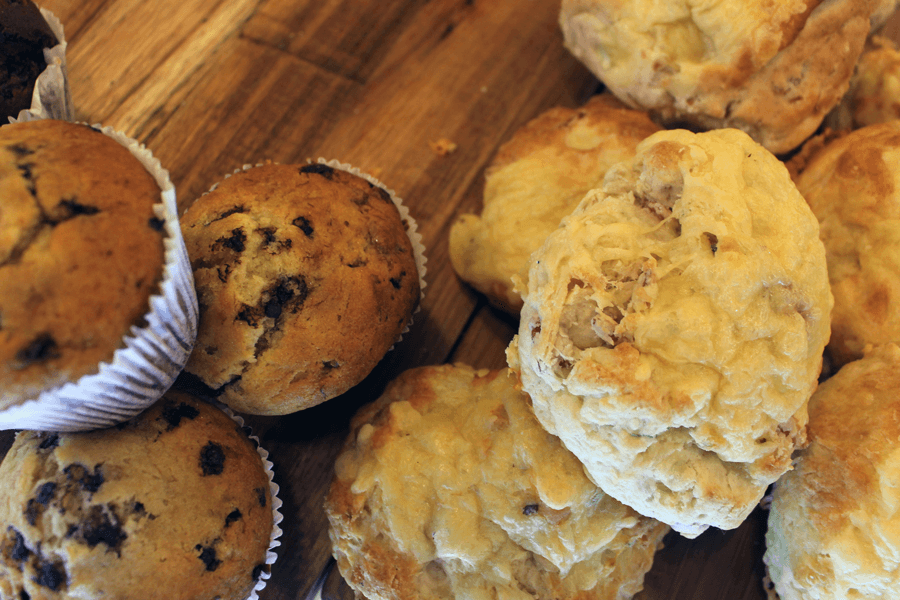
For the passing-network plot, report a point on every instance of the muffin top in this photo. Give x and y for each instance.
(674, 325)
(448, 487)
(305, 278)
(96, 514)
(23, 36)
(81, 252)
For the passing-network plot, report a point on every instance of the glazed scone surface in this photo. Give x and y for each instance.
(853, 187)
(772, 69)
(174, 504)
(834, 523)
(81, 252)
(305, 278)
(448, 487)
(535, 179)
(674, 325)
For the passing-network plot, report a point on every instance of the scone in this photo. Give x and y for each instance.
(535, 179)
(674, 325)
(771, 69)
(24, 34)
(448, 487)
(174, 504)
(305, 278)
(834, 525)
(82, 251)
(852, 185)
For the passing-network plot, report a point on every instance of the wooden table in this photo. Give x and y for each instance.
(209, 85)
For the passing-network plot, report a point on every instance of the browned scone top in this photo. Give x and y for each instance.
(305, 278)
(81, 252)
(174, 504)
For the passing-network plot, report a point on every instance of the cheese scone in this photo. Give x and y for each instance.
(674, 324)
(448, 487)
(535, 179)
(852, 185)
(834, 524)
(772, 69)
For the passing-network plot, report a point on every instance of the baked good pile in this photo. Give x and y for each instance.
(703, 259)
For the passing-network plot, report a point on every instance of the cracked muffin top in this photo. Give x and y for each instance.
(174, 504)
(305, 278)
(81, 252)
(448, 487)
(772, 68)
(674, 327)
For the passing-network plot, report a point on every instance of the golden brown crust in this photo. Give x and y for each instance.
(534, 180)
(447, 487)
(81, 252)
(835, 514)
(305, 278)
(851, 185)
(96, 514)
(772, 69)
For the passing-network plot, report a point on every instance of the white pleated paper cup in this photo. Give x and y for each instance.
(277, 517)
(151, 355)
(51, 98)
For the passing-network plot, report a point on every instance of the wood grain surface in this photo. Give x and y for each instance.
(209, 85)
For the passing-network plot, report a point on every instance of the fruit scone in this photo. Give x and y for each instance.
(834, 524)
(674, 327)
(534, 180)
(852, 185)
(772, 69)
(447, 487)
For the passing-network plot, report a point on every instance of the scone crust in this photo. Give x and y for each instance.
(174, 504)
(305, 278)
(772, 69)
(447, 487)
(852, 185)
(834, 522)
(674, 325)
(535, 179)
(81, 252)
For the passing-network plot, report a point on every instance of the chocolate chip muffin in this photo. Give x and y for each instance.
(81, 253)
(305, 278)
(23, 36)
(173, 504)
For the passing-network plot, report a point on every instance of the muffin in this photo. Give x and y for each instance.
(534, 180)
(447, 487)
(305, 276)
(674, 325)
(772, 70)
(852, 186)
(33, 80)
(833, 524)
(95, 293)
(173, 504)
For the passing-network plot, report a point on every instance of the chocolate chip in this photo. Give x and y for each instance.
(328, 365)
(41, 348)
(20, 150)
(257, 571)
(23, 595)
(236, 241)
(268, 235)
(90, 482)
(46, 492)
(50, 576)
(395, 281)
(208, 557)
(261, 496)
(156, 224)
(32, 511)
(291, 290)
(530, 509)
(19, 552)
(99, 528)
(319, 169)
(304, 225)
(51, 441)
(212, 459)
(71, 208)
(249, 315)
(231, 211)
(173, 414)
(233, 516)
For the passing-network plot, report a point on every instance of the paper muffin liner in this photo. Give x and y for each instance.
(51, 98)
(277, 517)
(415, 238)
(151, 356)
